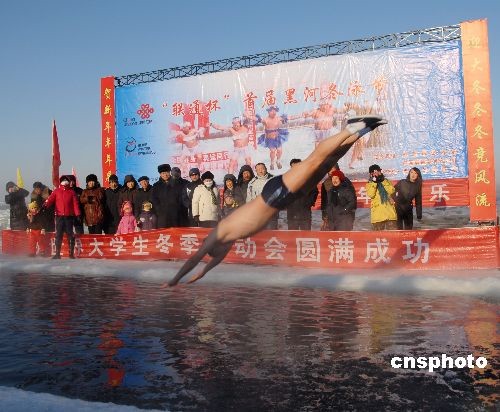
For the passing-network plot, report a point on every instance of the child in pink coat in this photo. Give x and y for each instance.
(127, 223)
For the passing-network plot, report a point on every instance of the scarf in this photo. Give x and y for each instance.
(214, 198)
(384, 196)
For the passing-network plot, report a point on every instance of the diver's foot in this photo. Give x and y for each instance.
(364, 124)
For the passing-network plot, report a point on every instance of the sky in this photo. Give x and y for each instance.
(54, 53)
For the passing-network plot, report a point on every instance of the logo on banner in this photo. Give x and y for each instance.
(145, 111)
(131, 145)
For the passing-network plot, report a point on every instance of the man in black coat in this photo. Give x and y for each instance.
(187, 194)
(18, 210)
(183, 211)
(298, 213)
(143, 194)
(166, 198)
(39, 195)
(112, 215)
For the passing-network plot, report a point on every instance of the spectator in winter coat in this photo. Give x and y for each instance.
(127, 224)
(67, 208)
(341, 203)
(18, 210)
(231, 199)
(206, 203)
(187, 193)
(166, 198)
(147, 219)
(407, 190)
(36, 232)
(143, 194)
(244, 177)
(298, 213)
(380, 190)
(255, 187)
(128, 191)
(78, 224)
(326, 186)
(94, 204)
(183, 210)
(40, 194)
(112, 211)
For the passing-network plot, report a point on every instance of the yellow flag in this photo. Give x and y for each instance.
(20, 182)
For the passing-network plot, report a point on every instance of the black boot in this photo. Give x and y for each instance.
(58, 253)
(72, 249)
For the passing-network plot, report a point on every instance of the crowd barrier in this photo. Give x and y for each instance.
(464, 248)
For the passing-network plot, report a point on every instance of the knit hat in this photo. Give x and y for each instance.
(9, 185)
(64, 178)
(339, 174)
(176, 172)
(128, 178)
(38, 185)
(143, 178)
(113, 178)
(164, 168)
(207, 175)
(91, 178)
(372, 168)
(194, 171)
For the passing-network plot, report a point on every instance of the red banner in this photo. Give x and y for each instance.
(108, 128)
(478, 109)
(465, 248)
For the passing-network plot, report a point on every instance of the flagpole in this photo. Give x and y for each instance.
(56, 156)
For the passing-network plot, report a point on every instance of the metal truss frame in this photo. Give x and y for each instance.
(434, 35)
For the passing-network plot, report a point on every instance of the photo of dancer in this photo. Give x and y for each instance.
(189, 137)
(241, 150)
(275, 133)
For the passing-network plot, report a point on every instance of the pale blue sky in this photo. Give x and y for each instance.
(53, 54)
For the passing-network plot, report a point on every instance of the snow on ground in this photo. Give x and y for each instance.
(16, 400)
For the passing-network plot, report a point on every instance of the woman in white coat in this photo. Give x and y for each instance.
(206, 204)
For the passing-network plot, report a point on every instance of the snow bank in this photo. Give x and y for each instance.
(481, 283)
(13, 400)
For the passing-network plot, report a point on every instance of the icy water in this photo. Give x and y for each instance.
(223, 348)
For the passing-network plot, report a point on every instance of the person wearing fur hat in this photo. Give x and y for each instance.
(298, 213)
(128, 223)
(206, 203)
(166, 198)
(143, 194)
(245, 175)
(40, 194)
(15, 199)
(187, 193)
(128, 191)
(67, 208)
(93, 201)
(407, 191)
(112, 211)
(231, 200)
(78, 223)
(147, 219)
(380, 190)
(341, 203)
(36, 231)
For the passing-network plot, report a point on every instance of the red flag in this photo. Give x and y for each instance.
(56, 156)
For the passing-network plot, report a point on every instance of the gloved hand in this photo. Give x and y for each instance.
(196, 219)
(380, 178)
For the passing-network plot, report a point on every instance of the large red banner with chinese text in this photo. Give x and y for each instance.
(478, 109)
(465, 248)
(108, 128)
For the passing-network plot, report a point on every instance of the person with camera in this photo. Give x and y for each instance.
(93, 201)
(382, 210)
(15, 199)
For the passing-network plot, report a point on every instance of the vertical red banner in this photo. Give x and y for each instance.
(108, 128)
(478, 109)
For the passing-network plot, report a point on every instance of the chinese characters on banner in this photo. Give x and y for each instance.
(108, 128)
(418, 249)
(478, 108)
